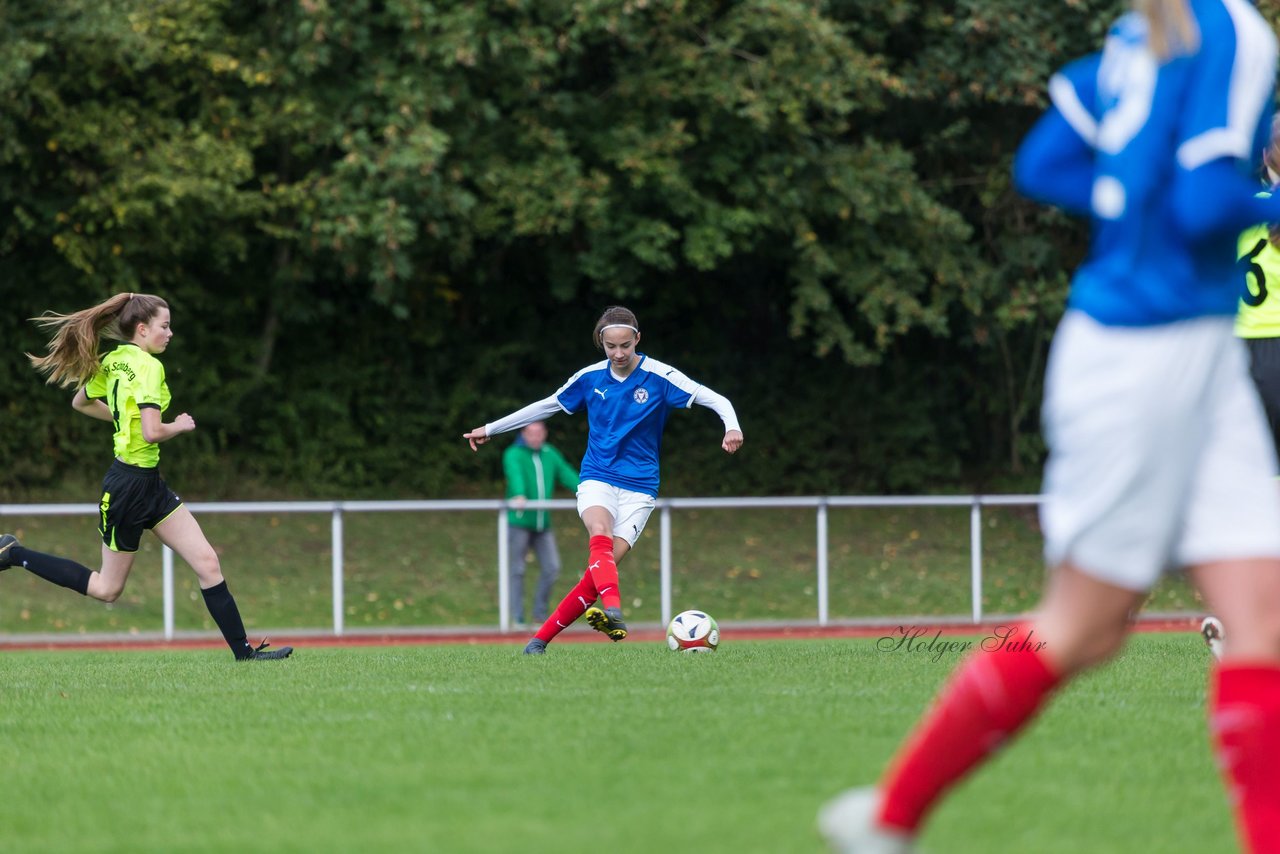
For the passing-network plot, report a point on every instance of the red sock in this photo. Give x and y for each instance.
(1244, 721)
(571, 607)
(987, 700)
(604, 570)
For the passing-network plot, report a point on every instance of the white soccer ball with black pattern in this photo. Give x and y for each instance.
(693, 631)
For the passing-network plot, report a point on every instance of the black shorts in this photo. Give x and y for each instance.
(1264, 364)
(134, 499)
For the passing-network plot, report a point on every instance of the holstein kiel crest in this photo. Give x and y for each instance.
(640, 395)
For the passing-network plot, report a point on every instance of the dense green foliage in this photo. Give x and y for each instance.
(475, 748)
(380, 224)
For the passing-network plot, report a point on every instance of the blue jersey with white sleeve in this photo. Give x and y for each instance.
(625, 419)
(1148, 124)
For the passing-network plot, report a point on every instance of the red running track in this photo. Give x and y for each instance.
(306, 640)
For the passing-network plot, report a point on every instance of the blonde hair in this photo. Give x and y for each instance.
(72, 359)
(1171, 27)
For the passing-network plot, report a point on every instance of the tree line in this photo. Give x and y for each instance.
(382, 222)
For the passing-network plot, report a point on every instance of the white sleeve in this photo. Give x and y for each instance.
(719, 404)
(536, 411)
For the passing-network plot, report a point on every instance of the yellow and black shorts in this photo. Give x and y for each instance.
(134, 499)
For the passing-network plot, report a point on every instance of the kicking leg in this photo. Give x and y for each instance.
(571, 607)
(602, 563)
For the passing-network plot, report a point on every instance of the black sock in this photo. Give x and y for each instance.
(222, 605)
(59, 570)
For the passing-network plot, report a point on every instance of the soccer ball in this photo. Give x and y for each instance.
(693, 631)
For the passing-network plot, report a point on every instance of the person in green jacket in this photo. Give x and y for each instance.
(533, 468)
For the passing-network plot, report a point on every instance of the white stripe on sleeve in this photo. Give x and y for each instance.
(1067, 100)
(1252, 82)
(719, 404)
(539, 410)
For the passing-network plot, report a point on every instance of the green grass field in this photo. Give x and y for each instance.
(595, 747)
(433, 569)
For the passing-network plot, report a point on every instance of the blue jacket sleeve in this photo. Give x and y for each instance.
(1217, 199)
(1054, 165)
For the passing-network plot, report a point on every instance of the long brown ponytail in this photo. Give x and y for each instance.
(72, 359)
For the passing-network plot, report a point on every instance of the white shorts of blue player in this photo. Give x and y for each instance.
(1159, 451)
(630, 510)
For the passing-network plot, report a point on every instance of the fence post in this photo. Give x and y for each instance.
(504, 571)
(166, 573)
(823, 596)
(664, 564)
(336, 535)
(975, 556)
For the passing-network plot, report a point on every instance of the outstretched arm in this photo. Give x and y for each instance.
(537, 411)
(720, 404)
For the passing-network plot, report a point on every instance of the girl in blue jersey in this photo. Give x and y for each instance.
(1159, 453)
(127, 388)
(627, 398)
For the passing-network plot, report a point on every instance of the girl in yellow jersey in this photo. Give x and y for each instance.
(127, 388)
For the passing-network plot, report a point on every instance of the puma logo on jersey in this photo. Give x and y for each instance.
(599, 392)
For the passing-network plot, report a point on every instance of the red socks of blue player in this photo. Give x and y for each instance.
(571, 607)
(599, 581)
(604, 570)
(1244, 722)
(988, 700)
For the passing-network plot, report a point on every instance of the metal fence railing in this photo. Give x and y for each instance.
(338, 509)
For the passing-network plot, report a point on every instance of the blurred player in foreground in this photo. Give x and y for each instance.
(627, 398)
(1159, 454)
(1258, 323)
(127, 388)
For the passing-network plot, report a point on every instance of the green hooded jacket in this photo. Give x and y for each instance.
(534, 475)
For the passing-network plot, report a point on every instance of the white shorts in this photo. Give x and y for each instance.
(1159, 451)
(630, 510)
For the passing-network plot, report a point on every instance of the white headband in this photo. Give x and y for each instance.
(618, 326)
